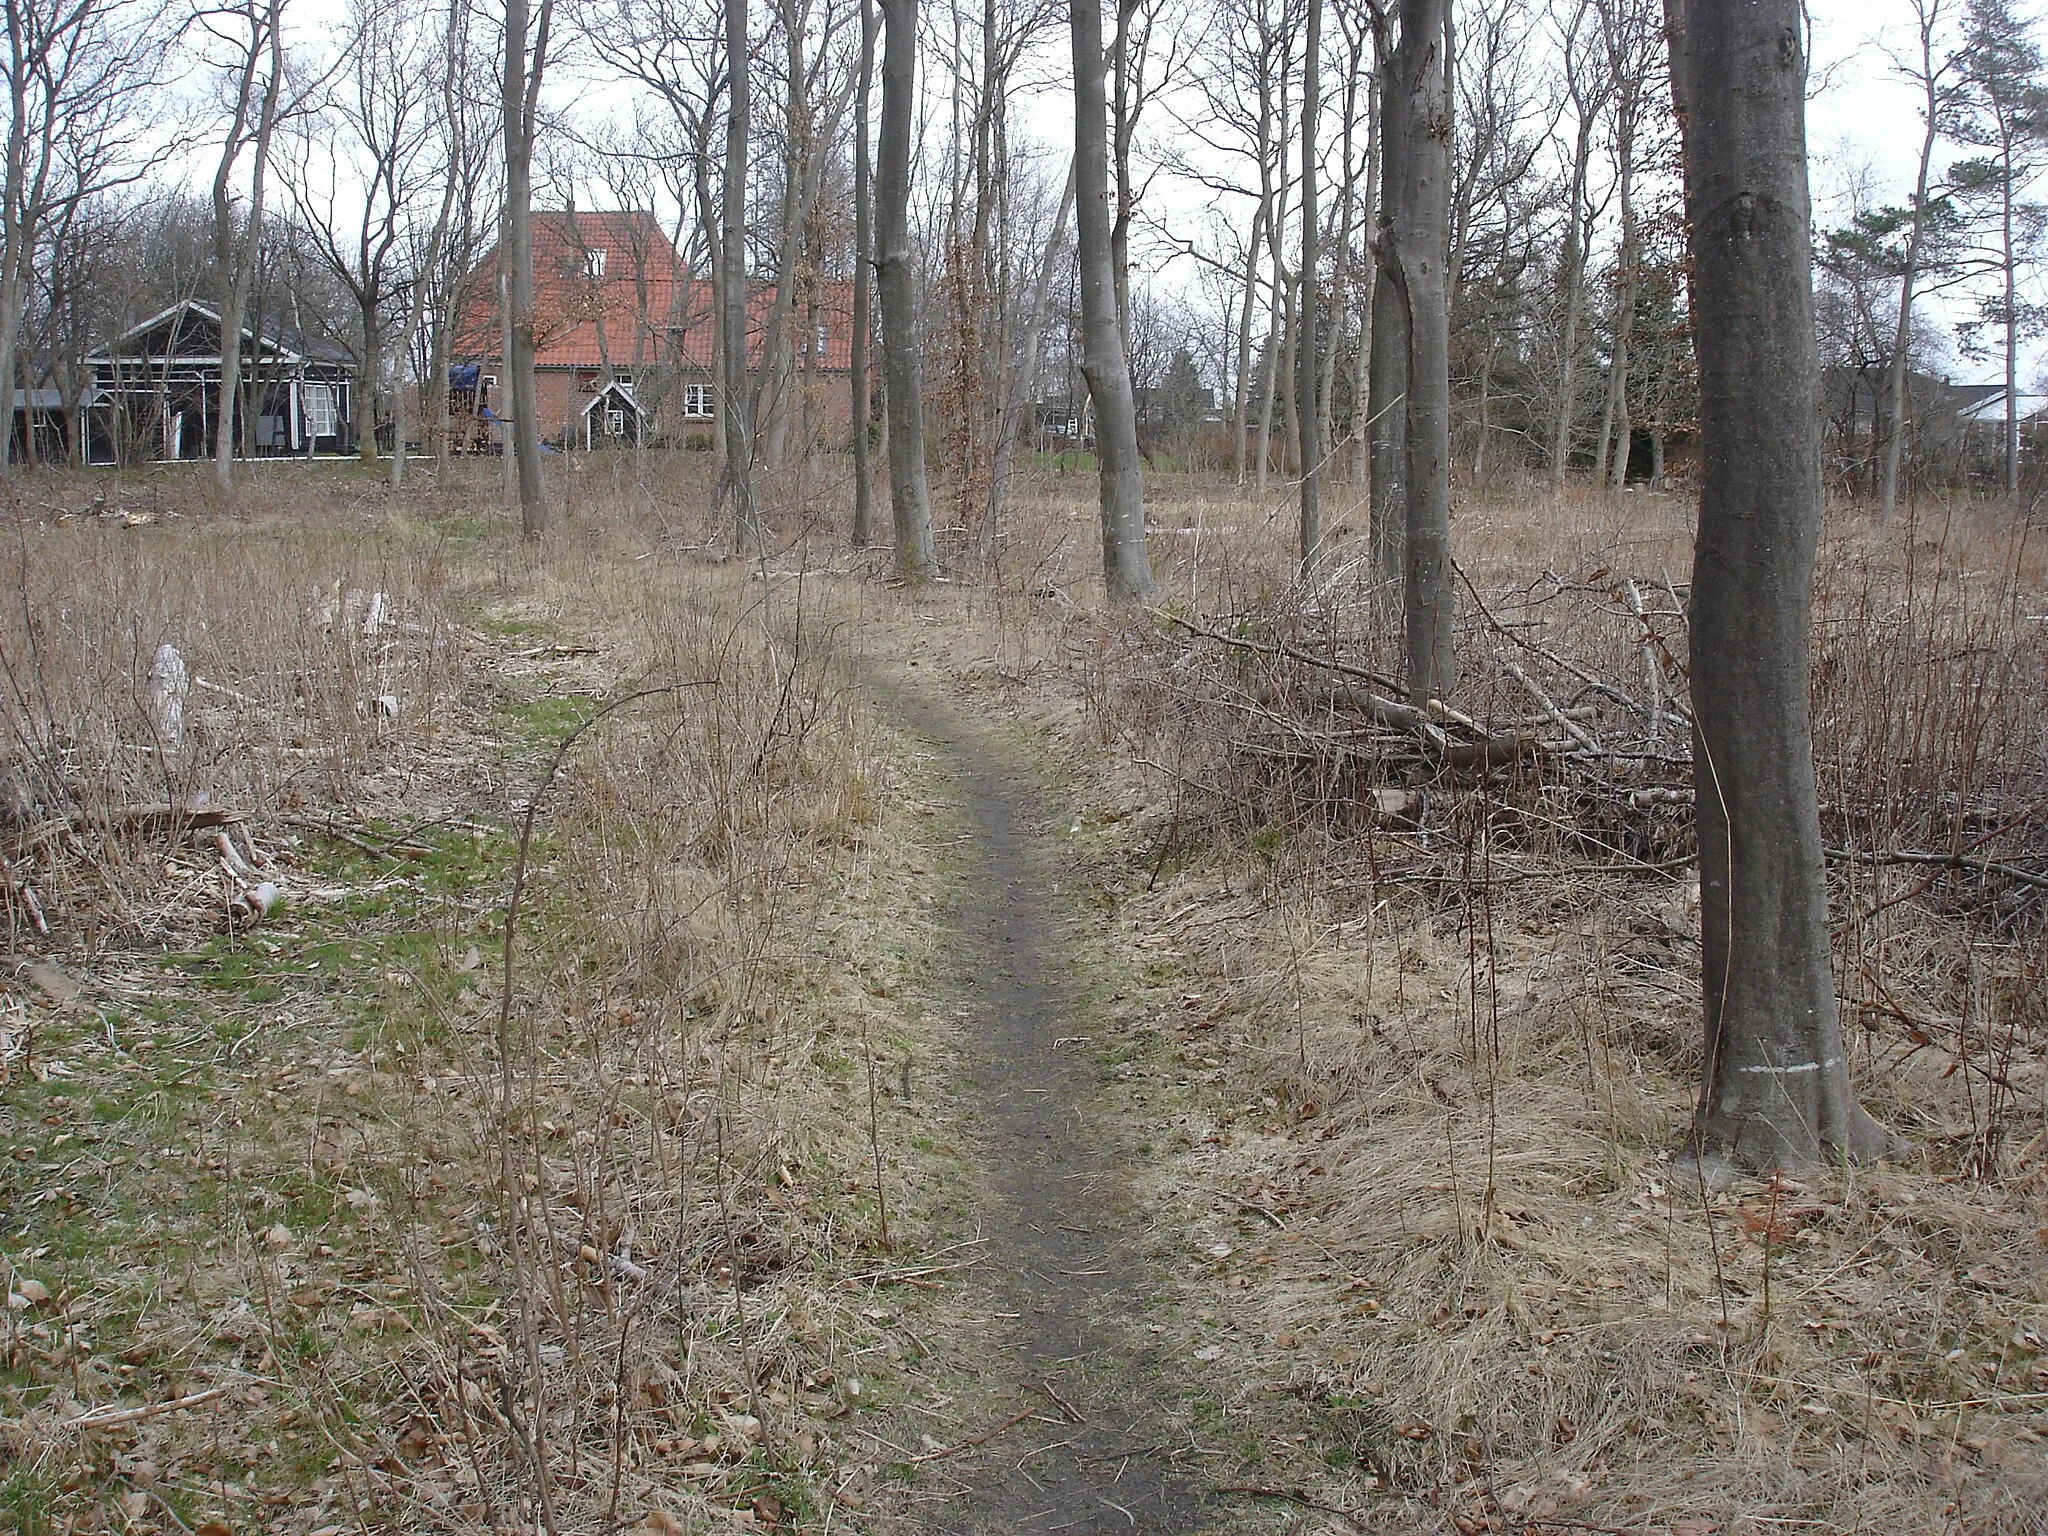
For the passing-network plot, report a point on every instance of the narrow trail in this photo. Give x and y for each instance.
(1063, 1280)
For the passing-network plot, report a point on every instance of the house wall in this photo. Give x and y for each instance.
(560, 398)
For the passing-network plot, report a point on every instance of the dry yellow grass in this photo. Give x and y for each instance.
(1430, 1122)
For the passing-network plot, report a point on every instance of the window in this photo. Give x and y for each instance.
(593, 265)
(586, 380)
(823, 341)
(697, 401)
(623, 380)
(323, 411)
(614, 423)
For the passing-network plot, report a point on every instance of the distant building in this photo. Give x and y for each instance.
(625, 342)
(40, 430)
(156, 392)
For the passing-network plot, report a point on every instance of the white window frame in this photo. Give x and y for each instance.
(698, 403)
(614, 422)
(593, 264)
(322, 407)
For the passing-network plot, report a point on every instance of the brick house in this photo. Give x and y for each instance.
(625, 345)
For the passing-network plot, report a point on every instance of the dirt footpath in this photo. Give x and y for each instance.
(1062, 1285)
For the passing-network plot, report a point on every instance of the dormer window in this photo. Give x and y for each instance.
(593, 265)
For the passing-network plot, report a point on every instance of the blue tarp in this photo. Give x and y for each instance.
(465, 375)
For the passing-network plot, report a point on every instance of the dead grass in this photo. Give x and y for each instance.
(412, 1271)
(1451, 1083)
(1412, 1133)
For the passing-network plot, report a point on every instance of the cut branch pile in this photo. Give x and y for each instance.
(1575, 735)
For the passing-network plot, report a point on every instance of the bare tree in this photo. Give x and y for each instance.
(254, 30)
(859, 398)
(1587, 86)
(1308, 359)
(1632, 40)
(909, 496)
(362, 162)
(1126, 569)
(76, 74)
(1387, 363)
(1775, 1089)
(1418, 179)
(2001, 108)
(1932, 77)
(525, 64)
(454, 52)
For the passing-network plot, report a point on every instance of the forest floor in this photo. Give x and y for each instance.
(896, 1107)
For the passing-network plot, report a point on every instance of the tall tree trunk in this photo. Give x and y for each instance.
(1421, 229)
(521, 106)
(2011, 434)
(1242, 393)
(416, 305)
(364, 399)
(1387, 363)
(1902, 341)
(1775, 1089)
(238, 267)
(1574, 278)
(863, 277)
(1308, 356)
(909, 495)
(1126, 570)
(1624, 322)
(735, 405)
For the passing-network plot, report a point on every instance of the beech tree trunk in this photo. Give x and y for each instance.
(1308, 356)
(521, 105)
(1775, 1089)
(863, 239)
(909, 495)
(1420, 241)
(1126, 569)
(735, 408)
(1387, 363)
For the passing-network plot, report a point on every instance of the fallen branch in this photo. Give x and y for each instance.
(108, 1418)
(1306, 658)
(1944, 860)
(974, 1440)
(1549, 707)
(160, 816)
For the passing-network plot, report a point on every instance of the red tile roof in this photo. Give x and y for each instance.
(611, 288)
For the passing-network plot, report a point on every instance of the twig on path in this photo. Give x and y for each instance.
(1073, 1414)
(973, 1440)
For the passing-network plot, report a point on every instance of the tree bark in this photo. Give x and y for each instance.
(1421, 228)
(1308, 356)
(735, 407)
(1775, 1089)
(1387, 363)
(863, 277)
(521, 105)
(238, 267)
(1126, 569)
(909, 495)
